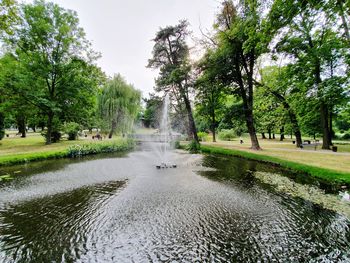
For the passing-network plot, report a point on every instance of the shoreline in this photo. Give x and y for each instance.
(328, 175)
(72, 151)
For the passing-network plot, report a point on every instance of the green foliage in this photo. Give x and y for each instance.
(193, 147)
(31, 157)
(55, 132)
(152, 111)
(72, 129)
(104, 147)
(202, 136)
(8, 16)
(171, 56)
(346, 136)
(119, 104)
(73, 151)
(177, 145)
(227, 135)
(53, 67)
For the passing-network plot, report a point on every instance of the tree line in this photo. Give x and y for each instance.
(278, 66)
(49, 77)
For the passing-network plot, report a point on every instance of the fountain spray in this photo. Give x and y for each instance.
(165, 135)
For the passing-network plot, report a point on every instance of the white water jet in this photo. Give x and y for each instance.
(165, 135)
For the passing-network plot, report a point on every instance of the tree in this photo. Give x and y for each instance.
(54, 57)
(119, 104)
(8, 16)
(209, 92)
(152, 111)
(241, 41)
(308, 36)
(279, 83)
(171, 56)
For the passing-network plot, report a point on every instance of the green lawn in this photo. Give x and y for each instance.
(286, 150)
(14, 149)
(319, 163)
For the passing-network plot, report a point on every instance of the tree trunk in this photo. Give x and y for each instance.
(282, 133)
(113, 128)
(269, 132)
(213, 124)
(251, 130)
(292, 116)
(344, 20)
(191, 123)
(2, 125)
(21, 123)
(326, 144)
(297, 134)
(273, 136)
(49, 127)
(263, 135)
(330, 127)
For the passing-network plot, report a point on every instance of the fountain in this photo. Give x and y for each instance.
(165, 136)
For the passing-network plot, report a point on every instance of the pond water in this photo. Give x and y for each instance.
(120, 208)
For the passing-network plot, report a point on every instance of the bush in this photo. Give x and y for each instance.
(346, 136)
(105, 147)
(227, 135)
(202, 136)
(193, 147)
(177, 145)
(71, 129)
(55, 135)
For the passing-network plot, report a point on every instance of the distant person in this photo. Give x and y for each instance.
(240, 140)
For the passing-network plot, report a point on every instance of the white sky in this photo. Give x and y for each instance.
(121, 30)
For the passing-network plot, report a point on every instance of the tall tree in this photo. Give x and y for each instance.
(241, 41)
(316, 54)
(171, 56)
(152, 111)
(52, 49)
(8, 16)
(209, 92)
(119, 104)
(279, 83)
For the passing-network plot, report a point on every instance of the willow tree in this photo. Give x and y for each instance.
(118, 103)
(171, 56)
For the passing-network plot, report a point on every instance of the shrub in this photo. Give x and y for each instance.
(71, 129)
(227, 135)
(202, 136)
(55, 135)
(105, 147)
(346, 136)
(193, 147)
(177, 145)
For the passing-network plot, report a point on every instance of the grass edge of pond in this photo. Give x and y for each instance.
(330, 176)
(72, 151)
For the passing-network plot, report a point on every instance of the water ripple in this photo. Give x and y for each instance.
(124, 210)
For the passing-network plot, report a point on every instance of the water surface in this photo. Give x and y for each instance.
(122, 209)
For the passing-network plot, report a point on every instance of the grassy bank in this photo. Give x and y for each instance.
(328, 175)
(22, 150)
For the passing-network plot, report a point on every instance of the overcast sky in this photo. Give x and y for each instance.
(121, 30)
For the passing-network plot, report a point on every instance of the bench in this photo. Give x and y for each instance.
(309, 144)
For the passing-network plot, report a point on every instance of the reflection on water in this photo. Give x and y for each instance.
(60, 223)
(125, 210)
